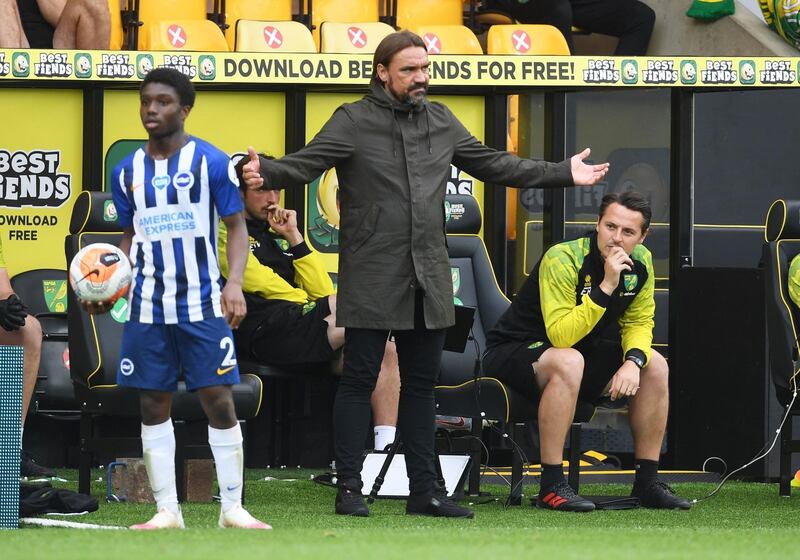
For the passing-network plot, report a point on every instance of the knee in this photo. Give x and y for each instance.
(656, 373)
(31, 335)
(567, 368)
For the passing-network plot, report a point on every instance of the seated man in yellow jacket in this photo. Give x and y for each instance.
(291, 304)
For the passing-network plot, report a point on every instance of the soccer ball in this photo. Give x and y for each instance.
(100, 272)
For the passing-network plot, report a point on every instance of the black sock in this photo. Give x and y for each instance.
(646, 471)
(551, 475)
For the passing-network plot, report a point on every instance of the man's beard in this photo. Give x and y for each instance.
(418, 99)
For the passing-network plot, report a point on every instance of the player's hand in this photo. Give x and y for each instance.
(234, 307)
(617, 262)
(625, 382)
(12, 313)
(251, 171)
(96, 307)
(284, 223)
(584, 174)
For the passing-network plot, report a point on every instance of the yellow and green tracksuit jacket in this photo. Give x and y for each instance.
(561, 302)
(275, 271)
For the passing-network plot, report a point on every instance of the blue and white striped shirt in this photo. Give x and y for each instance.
(174, 206)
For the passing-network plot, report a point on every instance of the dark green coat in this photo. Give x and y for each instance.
(393, 161)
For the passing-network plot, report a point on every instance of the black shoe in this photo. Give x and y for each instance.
(351, 502)
(658, 495)
(436, 505)
(561, 497)
(29, 468)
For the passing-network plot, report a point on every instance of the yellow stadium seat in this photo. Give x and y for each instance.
(353, 37)
(526, 39)
(341, 11)
(448, 39)
(115, 39)
(183, 35)
(264, 10)
(160, 10)
(411, 13)
(269, 36)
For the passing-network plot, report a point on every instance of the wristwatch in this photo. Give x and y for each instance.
(635, 359)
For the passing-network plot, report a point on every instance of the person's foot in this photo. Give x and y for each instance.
(29, 468)
(238, 518)
(436, 505)
(658, 495)
(561, 497)
(164, 519)
(351, 502)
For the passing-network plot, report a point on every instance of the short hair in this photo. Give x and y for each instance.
(176, 80)
(390, 46)
(631, 200)
(239, 168)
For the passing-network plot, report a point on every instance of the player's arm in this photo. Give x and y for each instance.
(332, 144)
(257, 278)
(311, 276)
(566, 323)
(636, 324)
(234, 307)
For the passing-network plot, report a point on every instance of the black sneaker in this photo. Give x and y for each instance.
(658, 495)
(436, 505)
(29, 468)
(562, 497)
(351, 502)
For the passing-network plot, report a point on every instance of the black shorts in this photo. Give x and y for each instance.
(285, 334)
(510, 362)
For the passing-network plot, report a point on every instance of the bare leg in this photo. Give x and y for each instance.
(29, 337)
(155, 406)
(648, 409)
(558, 372)
(386, 396)
(84, 25)
(12, 35)
(218, 405)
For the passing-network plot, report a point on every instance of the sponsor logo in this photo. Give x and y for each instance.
(180, 62)
(116, 65)
(160, 181)
(126, 367)
(109, 211)
(54, 64)
(776, 72)
(747, 72)
(688, 72)
(5, 66)
(183, 180)
(144, 63)
(83, 65)
(223, 371)
(601, 72)
(120, 310)
(719, 72)
(208, 67)
(20, 65)
(55, 295)
(630, 72)
(660, 72)
(33, 179)
(455, 274)
(456, 184)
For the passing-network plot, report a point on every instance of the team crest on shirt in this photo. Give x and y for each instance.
(630, 281)
(283, 245)
(160, 181)
(183, 180)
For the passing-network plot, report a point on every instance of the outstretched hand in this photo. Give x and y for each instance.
(583, 174)
(251, 171)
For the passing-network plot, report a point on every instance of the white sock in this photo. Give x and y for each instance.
(226, 446)
(158, 446)
(384, 435)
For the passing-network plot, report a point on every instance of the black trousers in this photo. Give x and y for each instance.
(419, 353)
(629, 20)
